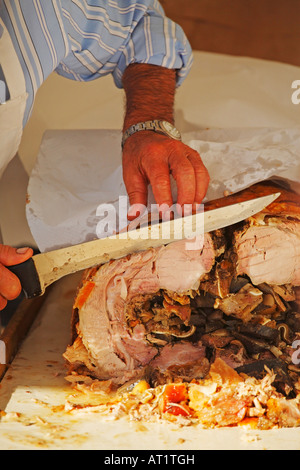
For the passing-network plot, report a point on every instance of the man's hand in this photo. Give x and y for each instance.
(149, 157)
(10, 286)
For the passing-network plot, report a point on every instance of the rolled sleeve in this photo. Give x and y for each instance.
(156, 40)
(106, 39)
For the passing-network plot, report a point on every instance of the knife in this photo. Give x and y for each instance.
(43, 269)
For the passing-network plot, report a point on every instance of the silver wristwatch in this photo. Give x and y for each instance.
(162, 127)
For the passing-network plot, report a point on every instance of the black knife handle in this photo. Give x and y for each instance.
(29, 278)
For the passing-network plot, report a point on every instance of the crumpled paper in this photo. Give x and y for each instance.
(78, 172)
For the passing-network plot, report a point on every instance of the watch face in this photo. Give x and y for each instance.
(171, 130)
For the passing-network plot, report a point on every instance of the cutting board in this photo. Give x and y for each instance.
(34, 391)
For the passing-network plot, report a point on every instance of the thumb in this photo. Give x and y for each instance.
(10, 256)
(10, 286)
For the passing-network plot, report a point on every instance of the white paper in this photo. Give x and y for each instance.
(78, 171)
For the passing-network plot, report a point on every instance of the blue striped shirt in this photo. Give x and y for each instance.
(86, 39)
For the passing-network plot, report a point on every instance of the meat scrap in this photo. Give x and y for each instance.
(222, 320)
(242, 303)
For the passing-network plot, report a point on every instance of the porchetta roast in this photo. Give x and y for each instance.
(210, 335)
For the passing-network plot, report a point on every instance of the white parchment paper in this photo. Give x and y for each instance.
(79, 170)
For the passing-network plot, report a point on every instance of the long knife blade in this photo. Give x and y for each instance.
(37, 273)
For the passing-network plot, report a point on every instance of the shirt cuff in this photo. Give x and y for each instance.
(156, 40)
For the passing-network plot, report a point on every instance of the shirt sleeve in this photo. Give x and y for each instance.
(105, 40)
(156, 40)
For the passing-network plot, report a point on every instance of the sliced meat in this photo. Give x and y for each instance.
(218, 281)
(190, 364)
(270, 253)
(268, 245)
(233, 355)
(119, 351)
(184, 353)
(242, 303)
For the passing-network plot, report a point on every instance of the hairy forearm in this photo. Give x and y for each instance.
(150, 157)
(150, 92)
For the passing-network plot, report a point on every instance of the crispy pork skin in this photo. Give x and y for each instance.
(169, 314)
(286, 205)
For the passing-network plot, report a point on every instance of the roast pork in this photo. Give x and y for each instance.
(167, 314)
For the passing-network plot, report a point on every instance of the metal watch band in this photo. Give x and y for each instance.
(155, 126)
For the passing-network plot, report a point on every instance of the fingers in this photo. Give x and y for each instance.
(201, 176)
(3, 302)
(150, 159)
(159, 176)
(10, 256)
(10, 286)
(191, 177)
(184, 175)
(148, 164)
(137, 189)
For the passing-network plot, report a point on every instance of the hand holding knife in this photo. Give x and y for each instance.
(43, 269)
